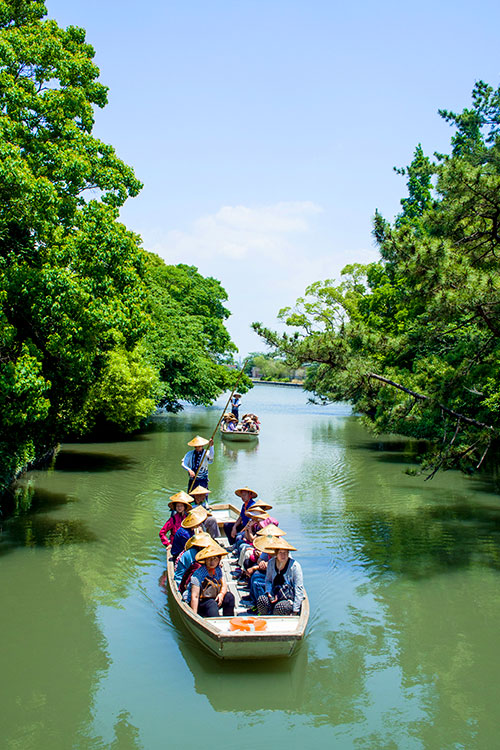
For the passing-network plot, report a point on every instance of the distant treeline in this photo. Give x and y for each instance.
(272, 367)
(413, 340)
(95, 331)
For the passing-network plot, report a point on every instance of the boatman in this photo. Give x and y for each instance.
(193, 459)
(235, 405)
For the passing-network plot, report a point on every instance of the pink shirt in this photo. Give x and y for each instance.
(173, 525)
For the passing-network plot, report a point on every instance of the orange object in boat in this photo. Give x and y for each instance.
(247, 624)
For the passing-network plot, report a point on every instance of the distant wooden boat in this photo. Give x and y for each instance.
(280, 636)
(238, 436)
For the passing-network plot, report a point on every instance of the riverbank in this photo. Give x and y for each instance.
(258, 381)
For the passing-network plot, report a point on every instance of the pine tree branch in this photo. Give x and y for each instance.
(422, 397)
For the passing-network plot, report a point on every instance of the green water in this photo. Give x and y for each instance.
(402, 575)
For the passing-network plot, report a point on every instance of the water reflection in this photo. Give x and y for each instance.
(52, 659)
(231, 452)
(33, 528)
(272, 684)
(432, 540)
(80, 460)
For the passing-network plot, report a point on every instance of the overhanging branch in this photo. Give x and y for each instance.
(422, 397)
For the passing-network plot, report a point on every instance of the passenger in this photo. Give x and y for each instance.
(259, 519)
(256, 572)
(208, 589)
(247, 495)
(258, 513)
(200, 496)
(284, 582)
(193, 521)
(180, 505)
(192, 460)
(235, 404)
(186, 563)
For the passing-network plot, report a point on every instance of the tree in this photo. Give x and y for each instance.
(72, 286)
(413, 340)
(187, 341)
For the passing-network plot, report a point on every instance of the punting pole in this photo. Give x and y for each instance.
(217, 425)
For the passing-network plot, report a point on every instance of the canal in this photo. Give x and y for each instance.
(402, 576)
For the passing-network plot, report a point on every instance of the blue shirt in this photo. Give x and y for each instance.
(187, 461)
(179, 541)
(183, 563)
(198, 577)
(243, 515)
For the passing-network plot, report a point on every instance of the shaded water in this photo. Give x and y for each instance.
(402, 575)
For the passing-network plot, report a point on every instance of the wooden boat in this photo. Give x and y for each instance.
(280, 636)
(238, 436)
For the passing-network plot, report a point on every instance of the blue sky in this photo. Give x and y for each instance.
(265, 132)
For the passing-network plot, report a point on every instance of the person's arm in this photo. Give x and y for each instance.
(222, 593)
(262, 562)
(180, 567)
(184, 463)
(298, 582)
(210, 452)
(236, 526)
(163, 533)
(269, 578)
(195, 596)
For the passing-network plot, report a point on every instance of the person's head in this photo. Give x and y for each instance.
(281, 548)
(199, 494)
(282, 556)
(271, 530)
(257, 515)
(198, 443)
(180, 502)
(246, 494)
(199, 539)
(211, 555)
(195, 518)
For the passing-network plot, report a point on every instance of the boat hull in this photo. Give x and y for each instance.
(239, 437)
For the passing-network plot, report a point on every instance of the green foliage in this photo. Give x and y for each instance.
(94, 331)
(188, 341)
(271, 367)
(126, 393)
(71, 276)
(413, 341)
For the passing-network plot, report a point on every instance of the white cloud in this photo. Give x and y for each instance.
(237, 232)
(265, 256)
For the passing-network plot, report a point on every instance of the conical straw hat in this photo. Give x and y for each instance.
(180, 497)
(200, 539)
(271, 530)
(213, 550)
(278, 543)
(195, 517)
(260, 505)
(260, 515)
(245, 489)
(197, 441)
(261, 542)
(199, 490)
